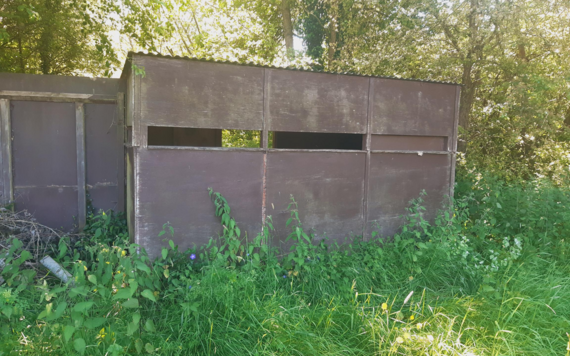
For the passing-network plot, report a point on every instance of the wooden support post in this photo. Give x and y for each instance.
(121, 147)
(367, 147)
(80, 148)
(6, 139)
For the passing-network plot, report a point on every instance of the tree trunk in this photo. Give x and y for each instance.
(21, 54)
(46, 38)
(287, 27)
(333, 32)
(332, 42)
(466, 104)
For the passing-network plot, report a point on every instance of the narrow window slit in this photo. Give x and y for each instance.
(317, 141)
(197, 137)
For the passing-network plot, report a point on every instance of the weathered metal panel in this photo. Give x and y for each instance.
(55, 207)
(103, 155)
(327, 186)
(44, 151)
(409, 143)
(412, 108)
(316, 102)
(104, 197)
(172, 186)
(202, 95)
(58, 84)
(397, 178)
(45, 161)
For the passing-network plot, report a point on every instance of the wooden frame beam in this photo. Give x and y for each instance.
(57, 97)
(6, 156)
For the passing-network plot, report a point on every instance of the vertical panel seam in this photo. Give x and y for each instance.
(367, 160)
(265, 144)
(121, 147)
(81, 176)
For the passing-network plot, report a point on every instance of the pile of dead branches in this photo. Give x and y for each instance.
(37, 239)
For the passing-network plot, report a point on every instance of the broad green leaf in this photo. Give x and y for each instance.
(164, 253)
(68, 332)
(139, 345)
(136, 318)
(79, 345)
(142, 266)
(149, 326)
(58, 311)
(92, 323)
(92, 278)
(131, 303)
(149, 348)
(79, 291)
(7, 310)
(83, 306)
(123, 293)
(148, 294)
(132, 328)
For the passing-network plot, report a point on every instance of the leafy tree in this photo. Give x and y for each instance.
(56, 37)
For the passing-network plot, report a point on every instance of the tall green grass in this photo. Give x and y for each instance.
(491, 276)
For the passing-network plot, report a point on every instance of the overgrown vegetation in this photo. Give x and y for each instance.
(489, 277)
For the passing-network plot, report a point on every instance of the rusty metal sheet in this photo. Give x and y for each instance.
(172, 186)
(397, 178)
(328, 188)
(183, 93)
(316, 102)
(58, 84)
(44, 143)
(408, 143)
(103, 155)
(55, 207)
(412, 108)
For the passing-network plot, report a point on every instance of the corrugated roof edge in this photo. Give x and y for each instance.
(251, 64)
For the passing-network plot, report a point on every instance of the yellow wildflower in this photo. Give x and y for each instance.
(123, 253)
(411, 278)
(85, 268)
(412, 317)
(384, 306)
(419, 326)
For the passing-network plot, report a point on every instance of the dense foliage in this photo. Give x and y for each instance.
(488, 277)
(511, 56)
